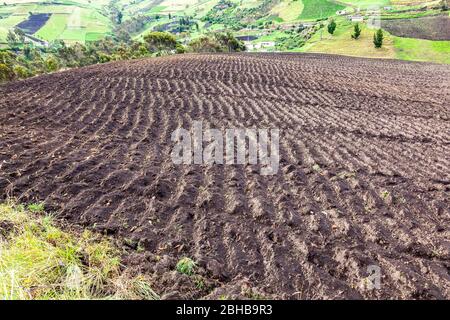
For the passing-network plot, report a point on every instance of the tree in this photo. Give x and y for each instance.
(356, 31)
(51, 64)
(331, 27)
(205, 44)
(11, 39)
(160, 41)
(20, 35)
(6, 73)
(21, 72)
(6, 57)
(378, 38)
(119, 17)
(229, 42)
(103, 57)
(219, 42)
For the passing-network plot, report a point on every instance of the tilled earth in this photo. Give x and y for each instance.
(431, 27)
(364, 175)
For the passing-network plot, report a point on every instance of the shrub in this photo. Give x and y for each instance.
(331, 27)
(356, 31)
(205, 44)
(378, 38)
(21, 72)
(160, 41)
(51, 64)
(218, 42)
(6, 73)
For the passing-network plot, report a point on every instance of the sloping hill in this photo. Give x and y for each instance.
(363, 178)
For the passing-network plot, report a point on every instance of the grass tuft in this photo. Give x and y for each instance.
(186, 266)
(36, 207)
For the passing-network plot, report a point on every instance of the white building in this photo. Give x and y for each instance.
(259, 46)
(356, 18)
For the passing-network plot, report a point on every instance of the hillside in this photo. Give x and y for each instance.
(362, 182)
(71, 21)
(415, 30)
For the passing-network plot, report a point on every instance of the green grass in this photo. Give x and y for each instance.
(38, 260)
(94, 36)
(157, 9)
(364, 4)
(422, 50)
(8, 23)
(317, 9)
(53, 28)
(288, 10)
(36, 207)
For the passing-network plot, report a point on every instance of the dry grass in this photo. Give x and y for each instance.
(38, 261)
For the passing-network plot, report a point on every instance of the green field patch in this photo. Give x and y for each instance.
(319, 9)
(157, 9)
(367, 4)
(54, 27)
(8, 23)
(74, 34)
(94, 36)
(288, 10)
(422, 50)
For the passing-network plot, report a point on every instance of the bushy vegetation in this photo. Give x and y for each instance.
(27, 60)
(237, 17)
(38, 260)
(216, 42)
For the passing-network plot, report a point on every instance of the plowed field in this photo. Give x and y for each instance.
(364, 175)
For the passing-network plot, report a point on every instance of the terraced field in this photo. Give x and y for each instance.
(364, 174)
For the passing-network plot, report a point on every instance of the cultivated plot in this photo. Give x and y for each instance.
(363, 182)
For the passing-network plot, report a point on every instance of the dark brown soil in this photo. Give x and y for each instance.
(364, 176)
(430, 28)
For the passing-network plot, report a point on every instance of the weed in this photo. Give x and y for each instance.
(36, 207)
(140, 247)
(186, 266)
(199, 283)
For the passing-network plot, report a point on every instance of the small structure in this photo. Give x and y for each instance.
(36, 41)
(341, 12)
(249, 46)
(267, 44)
(260, 46)
(356, 18)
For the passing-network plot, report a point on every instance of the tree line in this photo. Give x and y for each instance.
(22, 60)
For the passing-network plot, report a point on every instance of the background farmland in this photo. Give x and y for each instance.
(277, 22)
